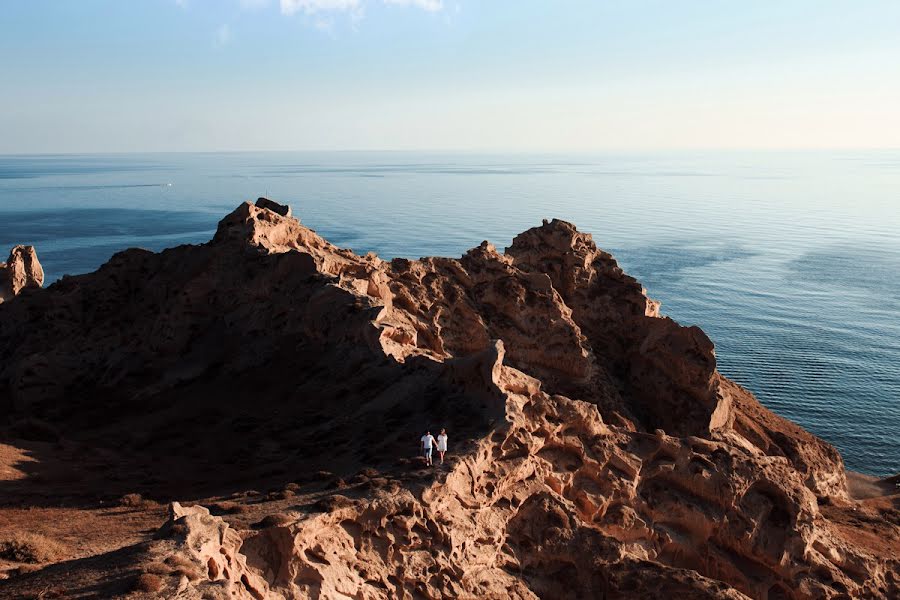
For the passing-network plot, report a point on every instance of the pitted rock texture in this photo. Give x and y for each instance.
(557, 504)
(212, 547)
(598, 454)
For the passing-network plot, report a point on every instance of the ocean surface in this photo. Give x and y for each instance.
(789, 261)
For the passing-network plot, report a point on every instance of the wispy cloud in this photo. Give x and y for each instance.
(310, 7)
(354, 7)
(324, 24)
(429, 5)
(222, 36)
(324, 15)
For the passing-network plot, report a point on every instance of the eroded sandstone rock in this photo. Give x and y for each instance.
(21, 270)
(557, 504)
(604, 455)
(214, 548)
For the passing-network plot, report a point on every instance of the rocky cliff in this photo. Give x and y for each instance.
(597, 451)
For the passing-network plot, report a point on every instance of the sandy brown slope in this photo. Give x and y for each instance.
(598, 453)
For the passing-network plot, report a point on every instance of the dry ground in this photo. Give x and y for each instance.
(47, 494)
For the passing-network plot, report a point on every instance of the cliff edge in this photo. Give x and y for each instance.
(597, 452)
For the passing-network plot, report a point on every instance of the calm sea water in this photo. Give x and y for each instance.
(789, 261)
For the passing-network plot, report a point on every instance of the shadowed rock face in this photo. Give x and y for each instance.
(606, 457)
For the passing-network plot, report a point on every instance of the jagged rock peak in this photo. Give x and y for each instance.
(21, 270)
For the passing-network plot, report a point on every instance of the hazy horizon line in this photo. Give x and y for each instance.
(468, 151)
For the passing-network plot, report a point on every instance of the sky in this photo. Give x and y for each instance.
(488, 75)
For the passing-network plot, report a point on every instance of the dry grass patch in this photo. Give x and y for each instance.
(215, 592)
(182, 565)
(177, 560)
(193, 574)
(135, 501)
(157, 569)
(149, 582)
(228, 508)
(30, 548)
(276, 520)
(280, 495)
(25, 569)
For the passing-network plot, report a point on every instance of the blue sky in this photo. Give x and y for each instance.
(524, 75)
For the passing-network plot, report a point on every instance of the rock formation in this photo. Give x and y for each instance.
(213, 548)
(21, 270)
(597, 451)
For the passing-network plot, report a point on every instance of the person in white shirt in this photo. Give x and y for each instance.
(428, 443)
(442, 444)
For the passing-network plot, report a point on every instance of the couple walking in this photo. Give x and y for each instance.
(428, 444)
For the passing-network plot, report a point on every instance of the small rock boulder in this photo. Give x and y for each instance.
(282, 209)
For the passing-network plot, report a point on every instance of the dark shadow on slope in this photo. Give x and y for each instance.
(195, 372)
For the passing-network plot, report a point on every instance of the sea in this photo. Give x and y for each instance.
(790, 261)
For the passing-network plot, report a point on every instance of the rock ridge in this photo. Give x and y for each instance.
(600, 453)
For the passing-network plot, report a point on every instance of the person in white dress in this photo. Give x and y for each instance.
(442, 444)
(428, 444)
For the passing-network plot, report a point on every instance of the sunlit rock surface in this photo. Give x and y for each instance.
(597, 451)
